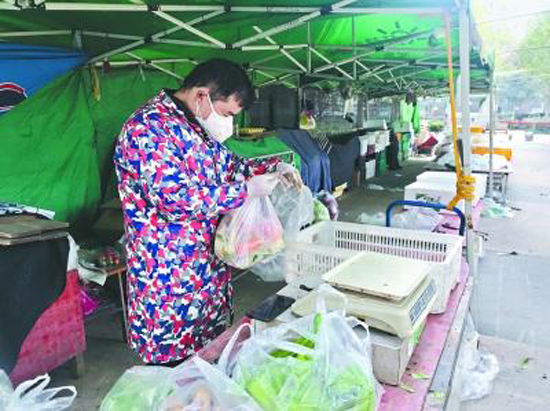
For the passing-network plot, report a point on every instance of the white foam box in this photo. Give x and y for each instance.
(365, 141)
(434, 192)
(382, 140)
(449, 178)
(370, 169)
(390, 354)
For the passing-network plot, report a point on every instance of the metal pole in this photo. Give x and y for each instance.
(465, 48)
(308, 47)
(354, 48)
(491, 134)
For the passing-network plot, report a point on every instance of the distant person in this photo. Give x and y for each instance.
(392, 155)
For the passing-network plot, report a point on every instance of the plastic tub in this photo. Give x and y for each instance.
(321, 247)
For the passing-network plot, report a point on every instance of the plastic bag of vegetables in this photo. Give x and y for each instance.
(194, 385)
(314, 363)
(141, 388)
(200, 386)
(294, 207)
(249, 234)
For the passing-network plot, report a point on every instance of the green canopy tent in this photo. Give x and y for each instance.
(384, 44)
(58, 157)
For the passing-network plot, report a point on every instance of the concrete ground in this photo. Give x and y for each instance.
(508, 307)
(510, 302)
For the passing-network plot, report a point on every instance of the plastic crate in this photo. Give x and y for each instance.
(321, 247)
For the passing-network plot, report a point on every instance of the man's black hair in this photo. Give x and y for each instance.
(224, 78)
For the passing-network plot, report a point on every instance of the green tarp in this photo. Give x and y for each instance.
(57, 145)
(261, 147)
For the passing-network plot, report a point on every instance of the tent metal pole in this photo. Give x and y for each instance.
(189, 28)
(291, 24)
(77, 39)
(269, 58)
(279, 79)
(465, 48)
(126, 7)
(387, 10)
(249, 9)
(111, 35)
(371, 71)
(330, 63)
(155, 37)
(269, 76)
(491, 134)
(354, 48)
(308, 47)
(293, 71)
(141, 61)
(36, 33)
(170, 73)
(187, 43)
(412, 62)
(274, 9)
(275, 46)
(282, 50)
(412, 74)
(374, 49)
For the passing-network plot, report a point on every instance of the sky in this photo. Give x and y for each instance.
(501, 17)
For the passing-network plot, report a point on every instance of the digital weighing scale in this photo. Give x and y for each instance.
(392, 294)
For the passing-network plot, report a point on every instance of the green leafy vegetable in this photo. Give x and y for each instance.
(407, 388)
(420, 376)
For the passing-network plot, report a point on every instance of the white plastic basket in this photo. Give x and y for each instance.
(321, 247)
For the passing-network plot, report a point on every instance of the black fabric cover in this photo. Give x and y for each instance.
(282, 103)
(315, 168)
(344, 156)
(260, 113)
(32, 276)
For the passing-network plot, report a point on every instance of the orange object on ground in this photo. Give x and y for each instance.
(503, 151)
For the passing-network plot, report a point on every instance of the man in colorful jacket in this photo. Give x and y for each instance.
(175, 180)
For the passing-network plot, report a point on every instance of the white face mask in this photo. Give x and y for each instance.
(219, 127)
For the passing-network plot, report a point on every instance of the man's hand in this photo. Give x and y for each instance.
(262, 185)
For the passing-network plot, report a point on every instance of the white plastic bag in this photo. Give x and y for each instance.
(492, 209)
(194, 385)
(141, 388)
(417, 218)
(295, 210)
(314, 363)
(378, 219)
(33, 395)
(202, 387)
(477, 367)
(249, 234)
